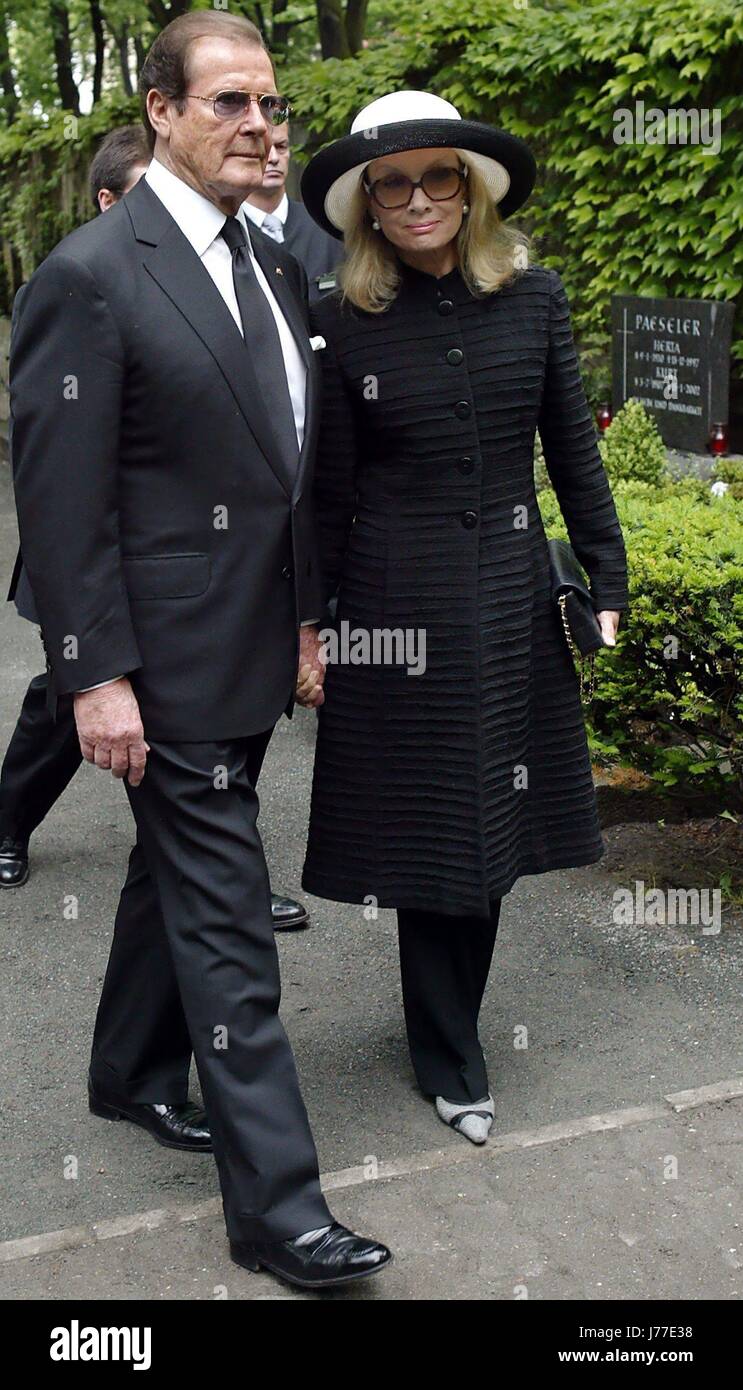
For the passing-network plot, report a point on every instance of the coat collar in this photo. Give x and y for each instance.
(174, 264)
(420, 282)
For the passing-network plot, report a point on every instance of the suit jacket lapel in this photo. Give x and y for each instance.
(287, 299)
(174, 265)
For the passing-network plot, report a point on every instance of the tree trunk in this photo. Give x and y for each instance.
(280, 31)
(356, 11)
(10, 98)
(99, 47)
(121, 39)
(60, 21)
(259, 20)
(161, 14)
(332, 29)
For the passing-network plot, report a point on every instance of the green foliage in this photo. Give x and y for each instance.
(730, 471)
(541, 476)
(632, 447)
(643, 218)
(669, 696)
(47, 195)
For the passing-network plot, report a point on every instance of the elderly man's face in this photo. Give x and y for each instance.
(422, 224)
(223, 159)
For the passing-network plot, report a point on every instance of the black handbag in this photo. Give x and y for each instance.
(572, 596)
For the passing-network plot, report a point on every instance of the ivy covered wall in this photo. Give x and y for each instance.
(645, 217)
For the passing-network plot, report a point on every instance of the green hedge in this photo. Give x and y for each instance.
(630, 218)
(649, 219)
(669, 696)
(44, 184)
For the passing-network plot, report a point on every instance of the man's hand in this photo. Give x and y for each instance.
(608, 620)
(311, 672)
(110, 730)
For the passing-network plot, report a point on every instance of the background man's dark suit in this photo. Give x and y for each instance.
(42, 757)
(20, 589)
(137, 416)
(317, 252)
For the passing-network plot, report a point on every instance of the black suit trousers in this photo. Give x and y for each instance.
(41, 759)
(444, 967)
(194, 962)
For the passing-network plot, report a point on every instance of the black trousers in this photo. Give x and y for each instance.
(194, 962)
(41, 760)
(444, 965)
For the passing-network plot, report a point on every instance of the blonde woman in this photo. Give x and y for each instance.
(451, 759)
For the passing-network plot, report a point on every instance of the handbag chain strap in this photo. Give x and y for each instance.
(587, 684)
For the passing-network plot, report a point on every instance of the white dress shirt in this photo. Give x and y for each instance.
(259, 215)
(201, 223)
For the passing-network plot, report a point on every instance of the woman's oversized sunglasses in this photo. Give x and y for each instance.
(440, 183)
(228, 106)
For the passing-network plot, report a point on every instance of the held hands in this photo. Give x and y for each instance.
(311, 671)
(110, 730)
(608, 620)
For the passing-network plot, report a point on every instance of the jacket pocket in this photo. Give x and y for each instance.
(166, 576)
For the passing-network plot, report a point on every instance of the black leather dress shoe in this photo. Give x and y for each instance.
(175, 1126)
(13, 862)
(288, 915)
(316, 1260)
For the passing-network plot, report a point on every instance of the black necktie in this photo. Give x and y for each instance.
(263, 342)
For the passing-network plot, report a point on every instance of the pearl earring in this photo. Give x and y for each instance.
(465, 209)
(375, 224)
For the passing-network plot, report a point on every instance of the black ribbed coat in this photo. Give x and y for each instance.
(439, 790)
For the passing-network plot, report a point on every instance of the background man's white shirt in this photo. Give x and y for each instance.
(259, 215)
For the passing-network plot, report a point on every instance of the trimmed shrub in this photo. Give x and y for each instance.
(669, 696)
(632, 447)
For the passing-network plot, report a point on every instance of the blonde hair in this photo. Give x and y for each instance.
(490, 252)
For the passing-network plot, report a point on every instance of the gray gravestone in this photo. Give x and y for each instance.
(673, 355)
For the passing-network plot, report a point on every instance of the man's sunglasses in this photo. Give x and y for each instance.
(440, 183)
(228, 106)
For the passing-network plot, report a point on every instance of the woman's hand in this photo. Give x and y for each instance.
(609, 622)
(311, 671)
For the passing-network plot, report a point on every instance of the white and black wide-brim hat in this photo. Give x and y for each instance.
(413, 121)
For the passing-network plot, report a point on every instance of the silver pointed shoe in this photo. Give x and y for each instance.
(474, 1121)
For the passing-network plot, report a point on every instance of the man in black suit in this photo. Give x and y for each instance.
(44, 754)
(288, 222)
(165, 404)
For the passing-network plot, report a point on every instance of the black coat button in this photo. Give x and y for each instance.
(455, 357)
(463, 409)
(445, 307)
(287, 572)
(466, 464)
(469, 520)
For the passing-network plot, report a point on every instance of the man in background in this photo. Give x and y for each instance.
(43, 755)
(287, 221)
